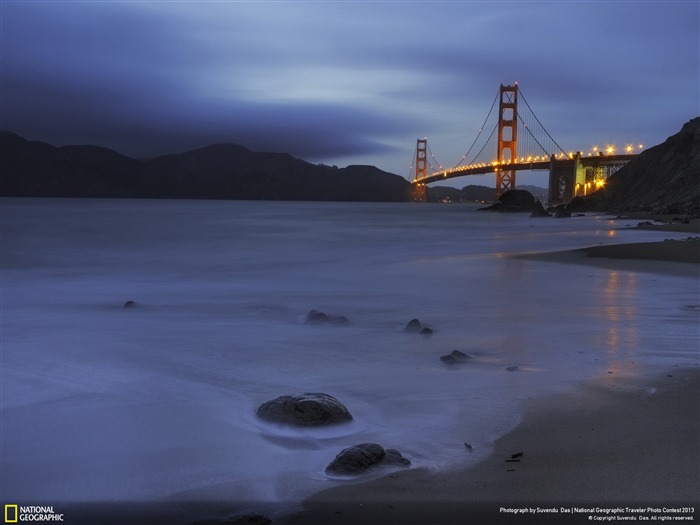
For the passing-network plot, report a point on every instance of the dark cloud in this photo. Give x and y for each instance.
(334, 82)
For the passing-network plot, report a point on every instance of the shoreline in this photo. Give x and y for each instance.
(670, 257)
(615, 442)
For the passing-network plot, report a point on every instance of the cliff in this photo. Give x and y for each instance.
(662, 179)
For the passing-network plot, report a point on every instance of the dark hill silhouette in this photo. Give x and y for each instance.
(219, 171)
(663, 179)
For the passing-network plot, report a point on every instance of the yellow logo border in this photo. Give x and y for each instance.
(7, 514)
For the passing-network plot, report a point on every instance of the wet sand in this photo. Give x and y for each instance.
(672, 257)
(619, 441)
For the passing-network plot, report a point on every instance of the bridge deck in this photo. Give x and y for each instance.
(462, 171)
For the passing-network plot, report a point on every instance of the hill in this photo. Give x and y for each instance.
(221, 171)
(663, 179)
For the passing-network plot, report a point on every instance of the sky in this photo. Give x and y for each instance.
(344, 82)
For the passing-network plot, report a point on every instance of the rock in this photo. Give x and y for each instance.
(310, 409)
(539, 211)
(316, 317)
(413, 326)
(360, 458)
(454, 357)
(448, 359)
(129, 304)
(562, 212)
(460, 355)
(426, 331)
(662, 179)
(577, 204)
(517, 200)
(246, 519)
(512, 368)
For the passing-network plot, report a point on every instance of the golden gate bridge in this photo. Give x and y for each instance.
(521, 143)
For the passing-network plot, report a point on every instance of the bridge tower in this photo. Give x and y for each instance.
(419, 192)
(507, 137)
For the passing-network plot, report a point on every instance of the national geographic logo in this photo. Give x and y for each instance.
(30, 513)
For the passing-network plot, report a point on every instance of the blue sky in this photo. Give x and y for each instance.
(344, 82)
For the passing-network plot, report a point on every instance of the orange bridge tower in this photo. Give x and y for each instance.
(419, 191)
(507, 137)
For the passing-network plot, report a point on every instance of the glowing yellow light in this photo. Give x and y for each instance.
(610, 149)
(629, 148)
(641, 146)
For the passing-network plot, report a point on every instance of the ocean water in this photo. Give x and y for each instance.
(157, 402)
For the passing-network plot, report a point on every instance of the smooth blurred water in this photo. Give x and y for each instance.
(157, 402)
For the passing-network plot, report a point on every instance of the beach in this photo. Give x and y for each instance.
(622, 446)
(617, 442)
(144, 352)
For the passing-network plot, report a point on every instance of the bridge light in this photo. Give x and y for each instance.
(610, 150)
(641, 146)
(629, 148)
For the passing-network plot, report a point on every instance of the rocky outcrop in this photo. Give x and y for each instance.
(513, 201)
(311, 409)
(664, 179)
(357, 459)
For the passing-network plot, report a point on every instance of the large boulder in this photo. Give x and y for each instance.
(360, 458)
(311, 409)
(517, 200)
(513, 201)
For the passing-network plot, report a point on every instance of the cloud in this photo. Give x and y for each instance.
(342, 81)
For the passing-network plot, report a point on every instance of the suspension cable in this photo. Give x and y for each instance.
(538, 121)
(434, 158)
(533, 136)
(485, 144)
(413, 164)
(479, 134)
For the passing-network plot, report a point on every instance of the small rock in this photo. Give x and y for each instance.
(426, 331)
(454, 357)
(413, 326)
(448, 359)
(513, 368)
(316, 317)
(360, 458)
(246, 519)
(539, 211)
(129, 304)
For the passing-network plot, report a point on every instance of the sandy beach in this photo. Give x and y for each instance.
(619, 441)
(620, 447)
